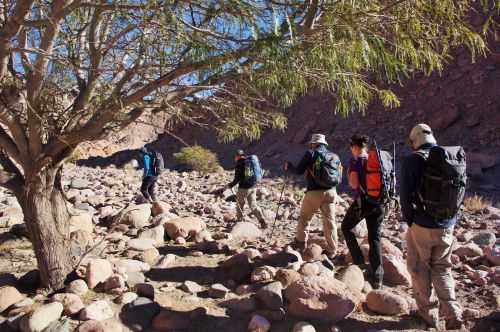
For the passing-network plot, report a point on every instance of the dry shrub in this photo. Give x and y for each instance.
(476, 203)
(198, 159)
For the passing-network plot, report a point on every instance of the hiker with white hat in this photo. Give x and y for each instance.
(323, 172)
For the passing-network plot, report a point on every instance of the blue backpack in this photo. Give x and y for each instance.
(253, 171)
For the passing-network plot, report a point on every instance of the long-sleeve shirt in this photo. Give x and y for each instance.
(239, 176)
(412, 173)
(305, 163)
(146, 161)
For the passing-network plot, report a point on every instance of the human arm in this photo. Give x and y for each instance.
(238, 175)
(302, 165)
(411, 172)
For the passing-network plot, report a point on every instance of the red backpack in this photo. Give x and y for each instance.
(380, 175)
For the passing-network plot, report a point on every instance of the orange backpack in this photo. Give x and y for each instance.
(380, 179)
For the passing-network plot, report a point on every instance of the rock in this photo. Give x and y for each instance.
(97, 310)
(395, 271)
(203, 236)
(270, 296)
(39, 319)
(237, 268)
(312, 253)
(80, 238)
(258, 324)
(145, 290)
(353, 277)
(218, 291)
(303, 327)
(98, 270)
(159, 208)
(493, 255)
(168, 320)
(78, 287)
(116, 281)
(321, 298)
(58, 326)
(91, 326)
(184, 227)
(191, 287)
(468, 250)
(245, 305)
(141, 244)
(245, 231)
(26, 302)
(134, 278)
(8, 296)
(30, 281)
(180, 240)
(484, 160)
(156, 233)
(126, 298)
(386, 303)
(287, 277)
(139, 314)
(72, 303)
(135, 215)
(471, 314)
(77, 183)
(166, 261)
(131, 265)
(485, 239)
(263, 274)
(310, 269)
(149, 256)
(81, 222)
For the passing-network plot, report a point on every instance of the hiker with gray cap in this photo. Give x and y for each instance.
(432, 189)
(247, 175)
(323, 172)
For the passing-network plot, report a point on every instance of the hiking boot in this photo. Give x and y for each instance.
(454, 323)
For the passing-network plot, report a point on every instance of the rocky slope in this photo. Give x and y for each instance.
(184, 264)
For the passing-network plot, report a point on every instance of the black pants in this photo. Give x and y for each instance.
(148, 188)
(374, 215)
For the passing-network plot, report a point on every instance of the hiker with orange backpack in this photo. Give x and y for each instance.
(369, 176)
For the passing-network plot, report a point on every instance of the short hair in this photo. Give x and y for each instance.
(239, 152)
(360, 140)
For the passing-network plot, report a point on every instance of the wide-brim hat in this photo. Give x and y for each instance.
(318, 139)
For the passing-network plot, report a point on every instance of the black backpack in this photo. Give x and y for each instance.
(157, 162)
(326, 169)
(442, 189)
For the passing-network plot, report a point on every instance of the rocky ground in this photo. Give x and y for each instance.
(184, 264)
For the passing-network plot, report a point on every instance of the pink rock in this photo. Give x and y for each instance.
(98, 270)
(8, 296)
(468, 250)
(184, 227)
(72, 303)
(159, 208)
(395, 271)
(386, 303)
(259, 324)
(493, 256)
(312, 252)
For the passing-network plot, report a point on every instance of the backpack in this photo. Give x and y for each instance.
(252, 170)
(326, 169)
(157, 162)
(442, 188)
(380, 176)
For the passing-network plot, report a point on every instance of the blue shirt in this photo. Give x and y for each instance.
(412, 173)
(146, 161)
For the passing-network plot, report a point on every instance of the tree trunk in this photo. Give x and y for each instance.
(47, 218)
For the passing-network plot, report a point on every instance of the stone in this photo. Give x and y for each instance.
(116, 281)
(468, 250)
(203, 236)
(386, 303)
(180, 240)
(81, 222)
(80, 238)
(237, 268)
(97, 310)
(245, 305)
(353, 277)
(141, 244)
(156, 233)
(30, 281)
(310, 269)
(251, 253)
(78, 287)
(41, 317)
(166, 261)
(270, 296)
(321, 298)
(245, 231)
(145, 290)
(312, 252)
(303, 327)
(485, 239)
(8, 296)
(78, 183)
(135, 215)
(72, 303)
(395, 271)
(26, 302)
(263, 274)
(91, 326)
(131, 265)
(218, 291)
(258, 324)
(191, 287)
(126, 298)
(185, 227)
(58, 326)
(98, 270)
(493, 255)
(139, 314)
(134, 278)
(159, 208)
(168, 320)
(287, 277)
(149, 256)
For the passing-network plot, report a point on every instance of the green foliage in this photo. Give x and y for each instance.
(75, 156)
(198, 159)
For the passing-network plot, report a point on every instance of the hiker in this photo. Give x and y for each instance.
(429, 203)
(323, 173)
(247, 174)
(363, 207)
(149, 177)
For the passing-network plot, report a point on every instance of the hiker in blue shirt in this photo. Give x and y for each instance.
(148, 179)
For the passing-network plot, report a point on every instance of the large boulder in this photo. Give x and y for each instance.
(82, 221)
(468, 250)
(185, 227)
(135, 215)
(386, 303)
(395, 271)
(8, 296)
(41, 317)
(245, 230)
(270, 296)
(353, 277)
(156, 233)
(321, 298)
(485, 239)
(98, 270)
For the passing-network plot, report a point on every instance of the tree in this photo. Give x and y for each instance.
(72, 70)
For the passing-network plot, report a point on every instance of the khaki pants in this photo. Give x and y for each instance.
(250, 196)
(429, 263)
(323, 200)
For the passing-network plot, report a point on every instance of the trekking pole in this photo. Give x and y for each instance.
(279, 202)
